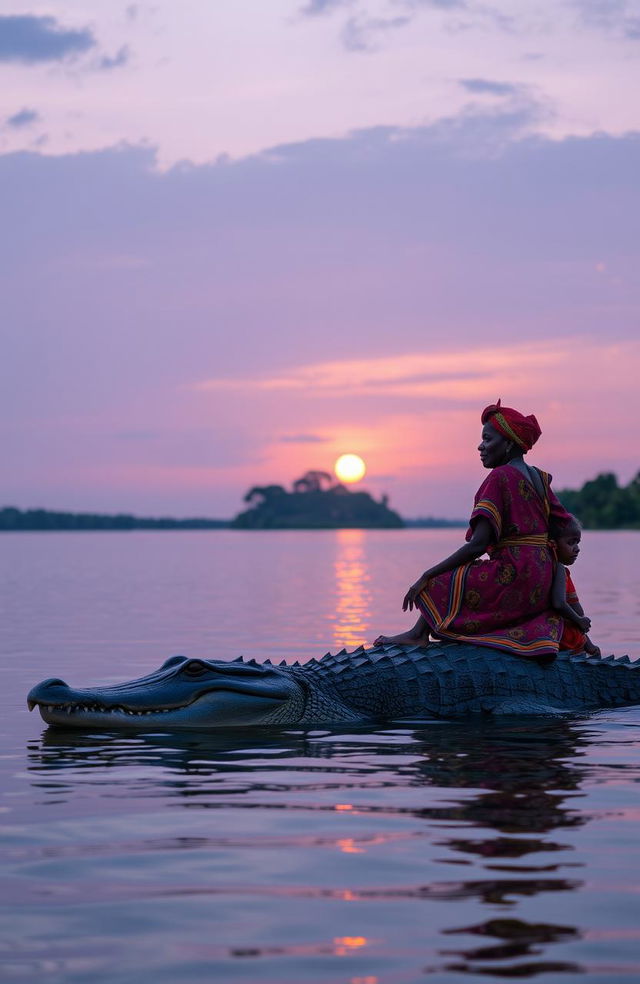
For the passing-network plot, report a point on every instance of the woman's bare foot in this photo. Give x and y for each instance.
(403, 639)
(418, 635)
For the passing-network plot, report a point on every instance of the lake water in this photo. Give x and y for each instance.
(433, 851)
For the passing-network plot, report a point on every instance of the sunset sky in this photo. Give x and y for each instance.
(242, 237)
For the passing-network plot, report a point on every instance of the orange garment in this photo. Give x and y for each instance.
(572, 638)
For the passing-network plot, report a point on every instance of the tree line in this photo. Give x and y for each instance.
(603, 504)
(21, 520)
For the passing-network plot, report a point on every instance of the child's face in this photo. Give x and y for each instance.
(568, 547)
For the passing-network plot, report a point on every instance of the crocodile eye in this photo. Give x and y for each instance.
(194, 667)
(172, 661)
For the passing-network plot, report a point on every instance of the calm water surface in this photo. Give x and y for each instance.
(422, 850)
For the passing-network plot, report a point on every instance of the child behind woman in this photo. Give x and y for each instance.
(563, 593)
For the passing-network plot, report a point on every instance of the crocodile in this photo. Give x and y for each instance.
(444, 680)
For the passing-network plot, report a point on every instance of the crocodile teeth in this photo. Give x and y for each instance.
(69, 709)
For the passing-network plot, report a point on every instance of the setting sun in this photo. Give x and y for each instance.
(350, 468)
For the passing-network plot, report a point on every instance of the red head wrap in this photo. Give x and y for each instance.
(513, 425)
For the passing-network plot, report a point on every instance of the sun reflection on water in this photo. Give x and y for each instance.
(347, 944)
(353, 596)
(348, 846)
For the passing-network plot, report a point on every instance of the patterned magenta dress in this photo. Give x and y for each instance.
(503, 602)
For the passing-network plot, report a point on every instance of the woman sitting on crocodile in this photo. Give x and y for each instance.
(503, 602)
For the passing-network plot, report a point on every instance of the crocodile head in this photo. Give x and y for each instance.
(183, 693)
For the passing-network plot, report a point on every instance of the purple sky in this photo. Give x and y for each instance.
(238, 242)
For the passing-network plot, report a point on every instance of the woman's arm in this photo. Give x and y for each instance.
(481, 537)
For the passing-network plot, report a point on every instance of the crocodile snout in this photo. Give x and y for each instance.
(42, 690)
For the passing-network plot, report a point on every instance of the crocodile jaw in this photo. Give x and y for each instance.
(228, 707)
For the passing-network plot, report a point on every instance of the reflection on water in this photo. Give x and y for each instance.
(436, 800)
(249, 846)
(353, 597)
(518, 939)
(438, 850)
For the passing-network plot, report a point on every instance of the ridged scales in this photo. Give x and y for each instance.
(452, 679)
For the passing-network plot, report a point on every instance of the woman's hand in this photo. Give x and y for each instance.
(584, 623)
(409, 599)
(481, 538)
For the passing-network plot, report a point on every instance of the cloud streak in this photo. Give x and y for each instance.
(488, 87)
(316, 8)
(32, 39)
(302, 439)
(616, 17)
(365, 33)
(25, 117)
(414, 374)
(108, 62)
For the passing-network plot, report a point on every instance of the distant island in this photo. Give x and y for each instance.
(603, 504)
(309, 505)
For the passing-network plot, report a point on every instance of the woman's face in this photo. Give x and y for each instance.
(493, 447)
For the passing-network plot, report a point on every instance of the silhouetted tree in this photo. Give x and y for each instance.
(309, 506)
(265, 492)
(311, 481)
(603, 504)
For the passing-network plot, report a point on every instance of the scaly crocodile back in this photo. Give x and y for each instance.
(454, 679)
